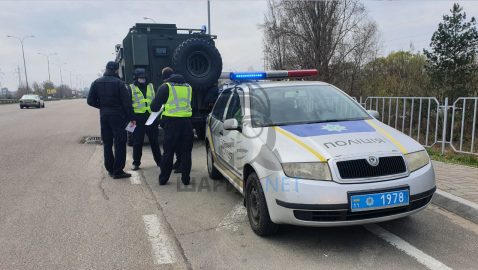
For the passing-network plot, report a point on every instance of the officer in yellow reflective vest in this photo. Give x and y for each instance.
(142, 94)
(175, 94)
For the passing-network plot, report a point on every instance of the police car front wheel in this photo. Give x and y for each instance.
(211, 170)
(257, 211)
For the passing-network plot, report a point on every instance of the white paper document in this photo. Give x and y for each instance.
(153, 117)
(130, 127)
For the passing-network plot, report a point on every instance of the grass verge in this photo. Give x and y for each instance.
(455, 158)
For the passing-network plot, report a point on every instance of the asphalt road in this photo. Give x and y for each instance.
(59, 210)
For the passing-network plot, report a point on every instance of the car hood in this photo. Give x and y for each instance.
(336, 140)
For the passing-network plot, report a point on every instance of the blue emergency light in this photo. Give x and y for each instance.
(275, 74)
(239, 76)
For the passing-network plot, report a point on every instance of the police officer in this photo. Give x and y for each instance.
(110, 95)
(142, 94)
(175, 94)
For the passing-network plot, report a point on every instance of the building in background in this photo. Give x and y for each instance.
(5, 93)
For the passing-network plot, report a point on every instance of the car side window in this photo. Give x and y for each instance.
(220, 106)
(235, 109)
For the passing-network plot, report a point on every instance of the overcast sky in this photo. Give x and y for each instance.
(83, 33)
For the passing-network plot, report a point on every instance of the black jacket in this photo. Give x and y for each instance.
(162, 94)
(110, 95)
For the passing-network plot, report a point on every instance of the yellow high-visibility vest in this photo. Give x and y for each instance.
(179, 101)
(140, 103)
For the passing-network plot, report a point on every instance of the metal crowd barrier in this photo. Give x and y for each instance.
(428, 122)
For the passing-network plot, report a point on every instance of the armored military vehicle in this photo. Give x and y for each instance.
(190, 52)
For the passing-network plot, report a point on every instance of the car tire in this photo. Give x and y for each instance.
(257, 211)
(199, 61)
(21, 107)
(211, 170)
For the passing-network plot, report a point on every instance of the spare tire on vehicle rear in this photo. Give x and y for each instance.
(199, 61)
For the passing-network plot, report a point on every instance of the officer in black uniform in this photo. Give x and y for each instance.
(175, 94)
(110, 95)
(142, 94)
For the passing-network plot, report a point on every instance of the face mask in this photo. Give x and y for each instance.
(142, 80)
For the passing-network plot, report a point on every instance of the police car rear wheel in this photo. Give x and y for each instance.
(212, 171)
(257, 211)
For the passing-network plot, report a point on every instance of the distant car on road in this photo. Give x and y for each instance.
(305, 153)
(31, 101)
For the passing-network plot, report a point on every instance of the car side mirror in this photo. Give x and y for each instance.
(231, 124)
(374, 114)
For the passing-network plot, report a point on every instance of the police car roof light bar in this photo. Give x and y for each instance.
(274, 74)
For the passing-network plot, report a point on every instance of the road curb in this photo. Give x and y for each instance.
(457, 205)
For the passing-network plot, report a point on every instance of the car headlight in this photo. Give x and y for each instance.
(309, 170)
(417, 160)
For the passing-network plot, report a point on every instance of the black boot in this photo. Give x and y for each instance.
(122, 174)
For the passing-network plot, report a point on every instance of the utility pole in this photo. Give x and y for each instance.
(61, 73)
(23, 54)
(48, 62)
(209, 17)
(71, 84)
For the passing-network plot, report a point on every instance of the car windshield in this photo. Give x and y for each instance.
(29, 97)
(289, 105)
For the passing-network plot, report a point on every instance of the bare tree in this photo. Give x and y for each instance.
(274, 47)
(327, 35)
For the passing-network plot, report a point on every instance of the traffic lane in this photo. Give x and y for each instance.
(14, 108)
(84, 222)
(6, 109)
(35, 142)
(215, 234)
(58, 209)
(442, 235)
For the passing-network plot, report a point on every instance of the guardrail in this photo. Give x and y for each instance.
(8, 101)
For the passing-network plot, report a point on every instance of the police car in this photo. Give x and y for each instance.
(305, 153)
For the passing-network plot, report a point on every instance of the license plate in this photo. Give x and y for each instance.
(380, 200)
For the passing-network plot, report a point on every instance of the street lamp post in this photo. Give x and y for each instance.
(23, 54)
(148, 18)
(61, 75)
(48, 62)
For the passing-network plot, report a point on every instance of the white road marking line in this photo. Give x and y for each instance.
(135, 178)
(399, 243)
(233, 218)
(163, 251)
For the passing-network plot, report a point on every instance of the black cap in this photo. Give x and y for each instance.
(140, 73)
(112, 65)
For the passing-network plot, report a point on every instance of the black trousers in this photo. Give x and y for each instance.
(178, 137)
(113, 132)
(138, 141)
